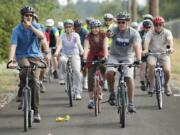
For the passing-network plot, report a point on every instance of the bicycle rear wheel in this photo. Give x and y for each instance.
(159, 91)
(25, 109)
(69, 89)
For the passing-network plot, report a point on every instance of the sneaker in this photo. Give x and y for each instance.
(143, 88)
(150, 91)
(112, 98)
(20, 105)
(91, 104)
(42, 88)
(61, 82)
(19, 95)
(85, 84)
(131, 108)
(19, 98)
(37, 118)
(105, 85)
(100, 96)
(78, 97)
(167, 91)
(55, 74)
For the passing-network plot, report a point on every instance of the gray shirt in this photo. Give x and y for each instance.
(123, 43)
(158, 41)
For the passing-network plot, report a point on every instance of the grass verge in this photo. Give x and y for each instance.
(8, 79)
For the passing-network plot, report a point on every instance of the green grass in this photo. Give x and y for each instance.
(8, 79)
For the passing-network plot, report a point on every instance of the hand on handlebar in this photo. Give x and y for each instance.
(12, 64)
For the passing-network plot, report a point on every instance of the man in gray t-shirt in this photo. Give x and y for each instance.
(126, 45)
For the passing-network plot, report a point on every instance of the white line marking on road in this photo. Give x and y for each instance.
(177, 95)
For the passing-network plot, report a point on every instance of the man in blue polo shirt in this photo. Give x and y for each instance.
(25, 49)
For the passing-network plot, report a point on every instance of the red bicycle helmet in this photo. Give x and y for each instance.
(158, 20)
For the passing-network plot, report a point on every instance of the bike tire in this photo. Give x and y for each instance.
(30, 111)
(96, 98)
(69, 89)
(122, 107)
(159, 96)
(25, 109)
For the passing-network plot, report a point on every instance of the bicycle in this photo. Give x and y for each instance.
(122, 94)
(26, 93)
(98, 83)
(159, 78)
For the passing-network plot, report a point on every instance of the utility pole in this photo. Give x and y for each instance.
(154, 7)
(133, 9)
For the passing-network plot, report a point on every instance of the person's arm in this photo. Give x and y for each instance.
(138, 50)
(59, 47)
(146, 43)
(81, 50)
(170, 42)
(12, 50)
(105, 47)
(86, 49)
(37, 32)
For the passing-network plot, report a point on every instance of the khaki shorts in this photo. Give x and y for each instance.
(163, 60)
(128, 72)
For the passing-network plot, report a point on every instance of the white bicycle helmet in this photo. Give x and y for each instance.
(60, 25)
(50, 22)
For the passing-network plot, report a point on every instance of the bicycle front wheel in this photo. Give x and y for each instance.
(122, 106)
(69, 89)
(159, 91)
(25, 109)
(96, 98)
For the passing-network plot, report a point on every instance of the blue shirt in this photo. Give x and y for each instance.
(27, 44)
(83, 33)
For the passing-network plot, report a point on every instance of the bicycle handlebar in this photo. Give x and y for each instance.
(116, 65)
(27, 67)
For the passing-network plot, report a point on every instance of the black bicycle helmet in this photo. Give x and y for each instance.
(147, 23)
(26, 9)
(77, 23)
(123, 16)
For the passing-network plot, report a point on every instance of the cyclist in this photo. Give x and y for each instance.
(60, 27)
(145, 17)
(87, 23)
(83, 34)
(157, 40)
(96, 47)
(45, 50)
(126, 43)
(135, 25)
(106, 28)
(70, 46)
(147, 25)
(25, 49)
(54, 42)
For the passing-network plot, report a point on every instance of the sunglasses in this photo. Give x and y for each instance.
(28, 15)
(158, 24)
(68, 26)
(121, 22)
(147, 27)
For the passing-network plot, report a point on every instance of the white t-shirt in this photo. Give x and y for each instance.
(70, 47)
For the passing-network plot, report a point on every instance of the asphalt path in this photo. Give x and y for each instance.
(148, 120)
